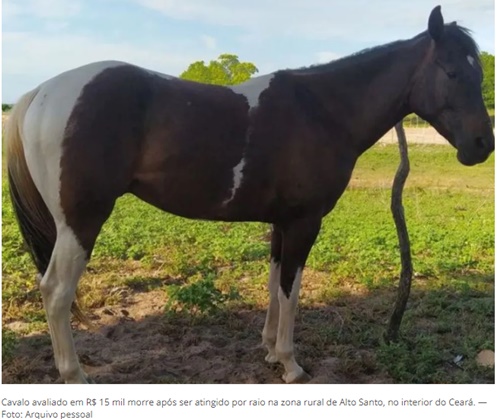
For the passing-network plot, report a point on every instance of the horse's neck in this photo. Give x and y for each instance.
(378, 91)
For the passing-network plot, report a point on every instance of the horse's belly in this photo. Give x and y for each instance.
(212, 193)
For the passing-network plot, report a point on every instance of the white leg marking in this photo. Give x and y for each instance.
(237, 179)
(270, 330)
(471, 60)
(284, 341)
(58, 288)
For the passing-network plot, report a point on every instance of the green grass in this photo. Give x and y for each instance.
(354, 266)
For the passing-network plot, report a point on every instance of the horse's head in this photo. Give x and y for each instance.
(447, 91)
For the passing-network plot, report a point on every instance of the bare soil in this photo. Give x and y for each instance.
(135, 343)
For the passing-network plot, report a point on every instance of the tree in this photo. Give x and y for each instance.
(488, 62)
(226, 70)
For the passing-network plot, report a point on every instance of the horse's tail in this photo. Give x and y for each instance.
(35, 221)
(37, 225)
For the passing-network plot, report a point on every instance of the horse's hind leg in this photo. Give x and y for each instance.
(58, 288)
(272, 318)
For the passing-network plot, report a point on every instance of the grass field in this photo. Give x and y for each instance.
(208, 280)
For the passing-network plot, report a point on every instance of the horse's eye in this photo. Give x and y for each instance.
(451, 74)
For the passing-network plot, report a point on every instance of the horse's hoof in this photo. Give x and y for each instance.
(296, 378)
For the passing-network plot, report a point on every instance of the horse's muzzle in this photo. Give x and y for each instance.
(477, 151)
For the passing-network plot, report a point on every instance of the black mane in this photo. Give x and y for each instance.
(459, 34)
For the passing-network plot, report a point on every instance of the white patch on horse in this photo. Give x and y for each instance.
(238, 170)
(43, 131)
(272, 317)
(284, 338)
(58, 288)
(252, 88)
(471, 60)
(237, 179)
(44, 128)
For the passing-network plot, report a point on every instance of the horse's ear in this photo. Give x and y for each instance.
(436, 23)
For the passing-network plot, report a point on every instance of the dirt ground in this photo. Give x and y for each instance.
(135, 343)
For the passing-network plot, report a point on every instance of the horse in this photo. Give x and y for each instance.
(278, 149)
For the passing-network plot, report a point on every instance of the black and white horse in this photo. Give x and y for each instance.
(278, 149)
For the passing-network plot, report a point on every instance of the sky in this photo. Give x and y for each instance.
(42, 38)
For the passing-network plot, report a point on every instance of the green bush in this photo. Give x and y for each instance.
(199, 296)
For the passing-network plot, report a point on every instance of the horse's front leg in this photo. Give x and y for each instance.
(298, 238)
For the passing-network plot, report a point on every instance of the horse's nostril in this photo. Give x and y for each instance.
(479, 141)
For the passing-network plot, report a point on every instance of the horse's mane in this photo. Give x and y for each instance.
(463, 36)
(458, 33)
